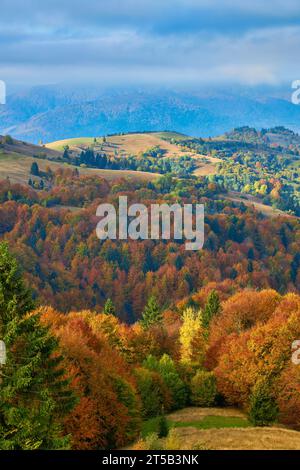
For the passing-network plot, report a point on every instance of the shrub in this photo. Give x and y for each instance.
(203, 388)
(151, 442)
(172, 441)
(263, 407)
(163, 427)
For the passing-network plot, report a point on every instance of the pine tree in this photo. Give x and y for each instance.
(34, 170)
(109, 308)
(34, 394)
(152, 314)
(263, 407)
(163, 427)
(211, 309)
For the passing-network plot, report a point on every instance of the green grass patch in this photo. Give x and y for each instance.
(60, 144)
(208, 422)
(150, 426)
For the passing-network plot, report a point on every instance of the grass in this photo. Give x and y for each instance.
(207, 422)
(135, 144)
(247, 438)
(150, 426)
(126, 144)
(223, 429)
(73, 142)
(214, 422)
(17, 167)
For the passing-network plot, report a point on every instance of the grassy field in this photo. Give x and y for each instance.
(223, 429)
(127, 144)
(17, 168)
(205, 422)
(76, 142)
(134, 144)
(248, 438)
(207, 165)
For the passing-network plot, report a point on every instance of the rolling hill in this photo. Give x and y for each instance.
(16, 158)
(255, 168)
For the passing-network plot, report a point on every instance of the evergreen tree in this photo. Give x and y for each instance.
(211, 309)
(152, 314)
(34, 170)
(163, 427)
(66, 155)
(257, 241)
(34, 394)
(263, 407)
(109, 308)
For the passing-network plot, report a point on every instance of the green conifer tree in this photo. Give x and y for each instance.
(152, 314)
(34, 170)
(163, 427)
(109, 308)
(34, 394)
(211, 309)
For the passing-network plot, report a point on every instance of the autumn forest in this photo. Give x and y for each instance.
(102, 337)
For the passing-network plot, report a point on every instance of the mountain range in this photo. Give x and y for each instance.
(48, 113)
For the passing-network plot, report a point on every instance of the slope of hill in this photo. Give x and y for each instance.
(16, 158)
(9, 145)
(263, 166)
(124, 144)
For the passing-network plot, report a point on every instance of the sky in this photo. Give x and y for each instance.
(160, 42)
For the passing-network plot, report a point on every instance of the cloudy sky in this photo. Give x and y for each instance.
(154, 41)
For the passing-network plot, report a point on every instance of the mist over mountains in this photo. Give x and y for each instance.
(55, 112)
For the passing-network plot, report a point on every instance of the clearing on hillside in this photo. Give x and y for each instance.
(223, 429)
(16, 167)
(125, 145)
(252, 201)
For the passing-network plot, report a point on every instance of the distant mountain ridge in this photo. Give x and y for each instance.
(49, 113)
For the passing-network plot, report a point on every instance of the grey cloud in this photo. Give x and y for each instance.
(158, 40)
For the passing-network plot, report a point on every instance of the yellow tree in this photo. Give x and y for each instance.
(191, 336)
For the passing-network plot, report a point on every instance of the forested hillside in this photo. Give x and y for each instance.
(130, 332)
(53, 234)
(85, 380)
